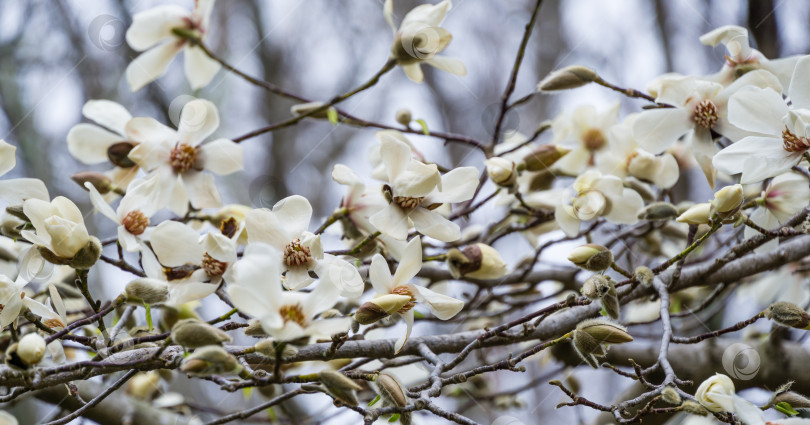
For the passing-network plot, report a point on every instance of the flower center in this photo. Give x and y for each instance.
(407, 202)
(213, 267)
(794, 143)
(706, 113)
(594, 139)
(292, 313)
(297, 255)
(404, 290)
(183, 157)
(135, 222)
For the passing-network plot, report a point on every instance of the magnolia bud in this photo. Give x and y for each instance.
(210, 360)
(380, 307)
(254, 328)
(391, 390)
(795, 400)
(541, 180)
(567, 78)
(10, 225)
(671, 396)
(593, 257)
(696, 214)
(404, 116)
(150, 291)
(267, 347)
(610, 302)
(587, 347)
(31, 349)
(341, 387)
(101, 182)
(7, 418)
(544, 156)
(478, 261)
(727, 201)
(644, 275)
(658, 211)
(144, 385)
(118, 153)
(693, 408)
(605, 331)
(501, 171)
(595, 287)
(193, 333)
(788, 314)
(87, 256)
(305, 108)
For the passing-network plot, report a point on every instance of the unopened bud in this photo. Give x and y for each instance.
(671, 396)
(341, 387)
(210, 360)
(391, 390)
(593, 257)
(31, 349)
(404, 116)
(144, 385)
(567, 78)
(306, 108)
(544, 156)
(101, 182)
(254, 328)
(150, 291)
(332, 313)
(87, 256)
(610, 302)
(788, 314)
(693, 408)
(587, 347)
(795, 400)
(501, 171)
(595, 287)
(696, 214)
(268, 348)
(477, 261)
(380, 307)
(644, 275)
(193, 333)
(605, 331)
(118, 153)
(727, 201)
(658, 211)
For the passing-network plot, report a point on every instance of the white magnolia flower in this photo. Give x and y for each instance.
(106, 141)
(59, 226)
(741, 58)
(177, 245)
(594, 195)
(786, 195)
(586, 132)
(136, 208)
(157, 30)
(626, 158)
(15, 191)
(420, 39)
(180, 157)
(11, 296)
(375, 153)
(700, 108)
(415, 189)
(185, 283)
(718, 395)
(442, 306)
(285, 229)
(780, 131)
(254, 285)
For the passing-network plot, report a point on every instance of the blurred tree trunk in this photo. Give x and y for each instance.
(763, 26)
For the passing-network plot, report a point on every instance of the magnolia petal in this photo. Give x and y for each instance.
(626, 209)
(294, 212)
(417, 180)
(757, 158)
(219, 247)
(410, 264)
(408, 318)
(89, 143)
(757, 110)
(202, 191)
(100, 204)
(322, 298)
(746, 411)
(144, 195)
(430, 223)
(458, 185)
(149, 130)
(658, 129)
(442, 306)
(181, 293)
(452, 65)
(15, 191)
(199, 68)
(152, 26)
(567, 220)
(430, 14)
(176, 244)
(151, 64)
(380, 275)
(222, 156)
(668, 172)
(395, 154)
(414, 72)
(128, 241)
(8, 157)
(297, 278)
(345, 176)
(198, 119)
(765, 219)
(11, 309)
(178, 198)
(107, 113)
(264, 226)
(258, 272)
(391, 221)
(345, 277)
(388, 13)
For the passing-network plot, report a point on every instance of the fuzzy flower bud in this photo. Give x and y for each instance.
(669, 395)
(658, 211)
(341, 387)
(588, 348)
(595, 287)
(693, 408)
(150, 291)
(478, 261)
(605, 331)
(404, 117)
(210, 360)
(696, 214)
(391, 390)
(644, 275)
(570, 77)
(380, 307)
(101, 182)
(193, 333)
(501, 171)
(787, 314)
(267, 347)
(593, 257)
(727, 201)
(544, 156)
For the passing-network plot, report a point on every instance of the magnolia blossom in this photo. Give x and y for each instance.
(595, 195)
(586, 132)
(15, 191)
(741, 58)
(780, 131)
(107, 141)
(179, 157)
(700, 107)
(177, 245)
(254, 286)
(718, 395)
(134, 211)
(785, 196)
(420, 39)
(415, 189)
(11, 296)
(184, 283)
(59, 226)
(442, 306)
(285, 229)
(164, 31)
